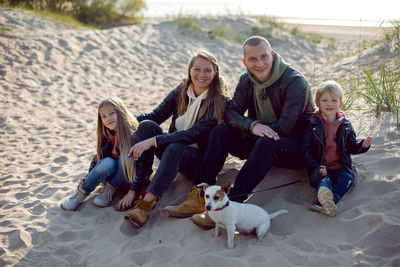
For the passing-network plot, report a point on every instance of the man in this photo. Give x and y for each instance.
(278, 99)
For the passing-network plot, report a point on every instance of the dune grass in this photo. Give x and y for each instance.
(379, 87)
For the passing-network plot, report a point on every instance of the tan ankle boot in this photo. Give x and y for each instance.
(193, 204)
(139, 215)
(203, 221)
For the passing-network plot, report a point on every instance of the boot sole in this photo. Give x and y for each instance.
(202, 226)
(130, 219)
(177, 215)
(325, 197)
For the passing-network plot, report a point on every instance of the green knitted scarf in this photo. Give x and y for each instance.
(264, 111)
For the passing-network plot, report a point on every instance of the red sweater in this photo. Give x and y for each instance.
(331, 156)
(114, 140)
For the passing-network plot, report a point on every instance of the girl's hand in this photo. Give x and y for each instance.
(81, 182)
(137, 150)
(322, 170)
(367, 142)
(127, 200)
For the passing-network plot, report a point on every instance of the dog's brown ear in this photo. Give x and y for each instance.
(204, 185)
(227, 186)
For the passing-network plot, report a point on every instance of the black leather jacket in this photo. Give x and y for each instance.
(198, 133)
(291, 100)
(313, 147)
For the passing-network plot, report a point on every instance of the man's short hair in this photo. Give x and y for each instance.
(256, 40)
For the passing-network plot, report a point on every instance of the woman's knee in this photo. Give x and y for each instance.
(174, 150)
(147, 129)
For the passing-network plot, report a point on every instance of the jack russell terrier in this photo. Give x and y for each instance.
(234, 216)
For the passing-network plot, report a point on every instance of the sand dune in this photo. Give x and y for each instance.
(52, 78)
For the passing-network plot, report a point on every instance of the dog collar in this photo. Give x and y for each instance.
(223, 207)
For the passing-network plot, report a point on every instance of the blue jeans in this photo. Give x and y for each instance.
(338, 181)
(107, 169)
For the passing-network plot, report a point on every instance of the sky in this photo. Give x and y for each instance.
(374, 11)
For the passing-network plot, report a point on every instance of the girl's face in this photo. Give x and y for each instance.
(109, 117)
(202, 73)
(329, 104)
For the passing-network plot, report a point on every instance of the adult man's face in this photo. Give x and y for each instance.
(259, 61)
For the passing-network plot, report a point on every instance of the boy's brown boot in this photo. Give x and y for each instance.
(139, 215)
(193, 204)
(203, 221)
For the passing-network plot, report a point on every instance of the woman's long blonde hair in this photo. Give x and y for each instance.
(217, 91)
(127, 125)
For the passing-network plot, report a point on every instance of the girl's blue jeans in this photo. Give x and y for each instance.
(107, 169)
(338, 181)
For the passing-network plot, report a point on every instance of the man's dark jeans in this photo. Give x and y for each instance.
(261, 153)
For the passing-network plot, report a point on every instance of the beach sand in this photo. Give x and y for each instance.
(51, 80)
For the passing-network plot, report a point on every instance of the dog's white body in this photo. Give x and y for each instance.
(235, 216)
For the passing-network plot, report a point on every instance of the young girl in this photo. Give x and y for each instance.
(196, 105)
(328, 142)
(116, 133)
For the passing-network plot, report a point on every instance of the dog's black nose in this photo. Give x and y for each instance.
(208, 207)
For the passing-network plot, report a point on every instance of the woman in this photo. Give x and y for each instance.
(197, 105)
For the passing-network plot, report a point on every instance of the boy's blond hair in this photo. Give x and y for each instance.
(329, 86)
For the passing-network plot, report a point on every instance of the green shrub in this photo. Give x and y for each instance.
(94, 12)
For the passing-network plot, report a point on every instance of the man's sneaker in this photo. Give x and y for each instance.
(325, 197)
(203, 221)
(104, 198)
(193, 204)
(73, 201)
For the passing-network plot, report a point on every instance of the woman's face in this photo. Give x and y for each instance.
(109, 117)
(202, 73)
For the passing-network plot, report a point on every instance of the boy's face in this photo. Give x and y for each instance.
(329, 104)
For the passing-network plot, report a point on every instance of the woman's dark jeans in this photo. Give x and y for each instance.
(174, 158)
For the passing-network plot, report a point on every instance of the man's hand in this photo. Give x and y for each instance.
(264, 130)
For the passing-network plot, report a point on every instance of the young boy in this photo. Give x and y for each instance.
(328, 142)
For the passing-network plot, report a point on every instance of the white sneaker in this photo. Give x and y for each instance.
(74, 201)
(325, 197)
(104, 198)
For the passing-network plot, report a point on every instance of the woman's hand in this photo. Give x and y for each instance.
(367, 142)
(126, 201)
(137, 150)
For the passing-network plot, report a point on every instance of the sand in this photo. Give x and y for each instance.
(51, 80)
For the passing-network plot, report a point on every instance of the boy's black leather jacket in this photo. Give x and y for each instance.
(291, 100)
(313, 147)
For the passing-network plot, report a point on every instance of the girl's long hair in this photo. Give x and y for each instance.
(127, 125)
(217, 91)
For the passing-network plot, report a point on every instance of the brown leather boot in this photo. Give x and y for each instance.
(139, 215)
(193, 204)
(203, 221)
